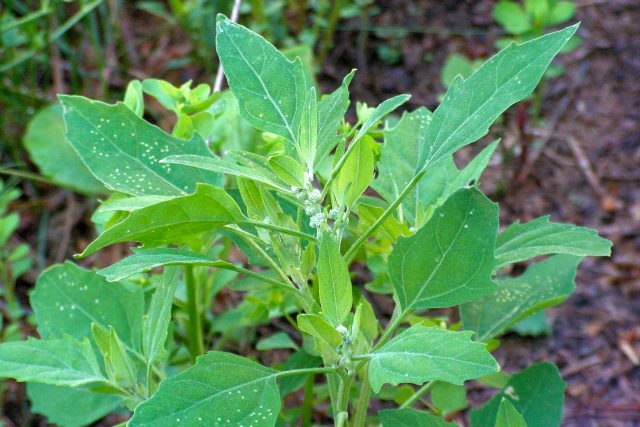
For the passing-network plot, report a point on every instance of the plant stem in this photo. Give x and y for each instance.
(196, 341)
(307, 404)
(417, 395)
(349, 255)
(306, 371)
(342, 406)
(282, 230)
(362, 405)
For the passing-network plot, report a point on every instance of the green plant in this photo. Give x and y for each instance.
(14, 259)
(299, 212)
(532, 19)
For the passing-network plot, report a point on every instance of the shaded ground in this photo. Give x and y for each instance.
(582, 167)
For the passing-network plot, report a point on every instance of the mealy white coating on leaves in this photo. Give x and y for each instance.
(542, 285)
(422, 354)
(124, 151)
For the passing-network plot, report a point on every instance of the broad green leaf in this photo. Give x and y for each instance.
(54, 402)
(448, 261)
(276, 341)
(470, 106)
(331, 110)
(178, 220)
(124, 151)
(288, 170)
(512, 17)
(58, 362)
(448, 398)
(308, 135)
(422, 354)
(220, 389)
(543, 284)
(317, 327)
(508, 416)
(67, 299)
(520, 242)
(537, 393)
(224, 166)
(399, 162)
(333, 281)
(146, 259)
(128, 204)
(270, 89)
(156, 323)
(411, 418)
(357, 172)
(56, 159)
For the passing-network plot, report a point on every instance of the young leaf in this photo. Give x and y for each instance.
(448, 261)
(156, 323)
(175, 221)
(333, 281)
(121, 369)
(520, 242)
(308, 135)
(147, 259)
(508, 416)
(56, 159)
(221, 388)
(227, 167)
(357, 172)
(68, 299)
(471, 106)
(537, 393)
(331, 110)
(124, 151)
(288, 170)
(270, 89)
(317, 327)
(544, 284)
(422, 354)
(411, 418)
(59, 362)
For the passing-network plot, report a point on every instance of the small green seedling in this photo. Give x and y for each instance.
(301, 209)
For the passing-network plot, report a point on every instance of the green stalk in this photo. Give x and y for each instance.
(307, 404)
(362, 405)
(417, 395)
(283, 230)
(350, 254)
(342, 407)
(196, 340)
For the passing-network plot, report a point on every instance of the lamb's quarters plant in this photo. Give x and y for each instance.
(126, 337)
